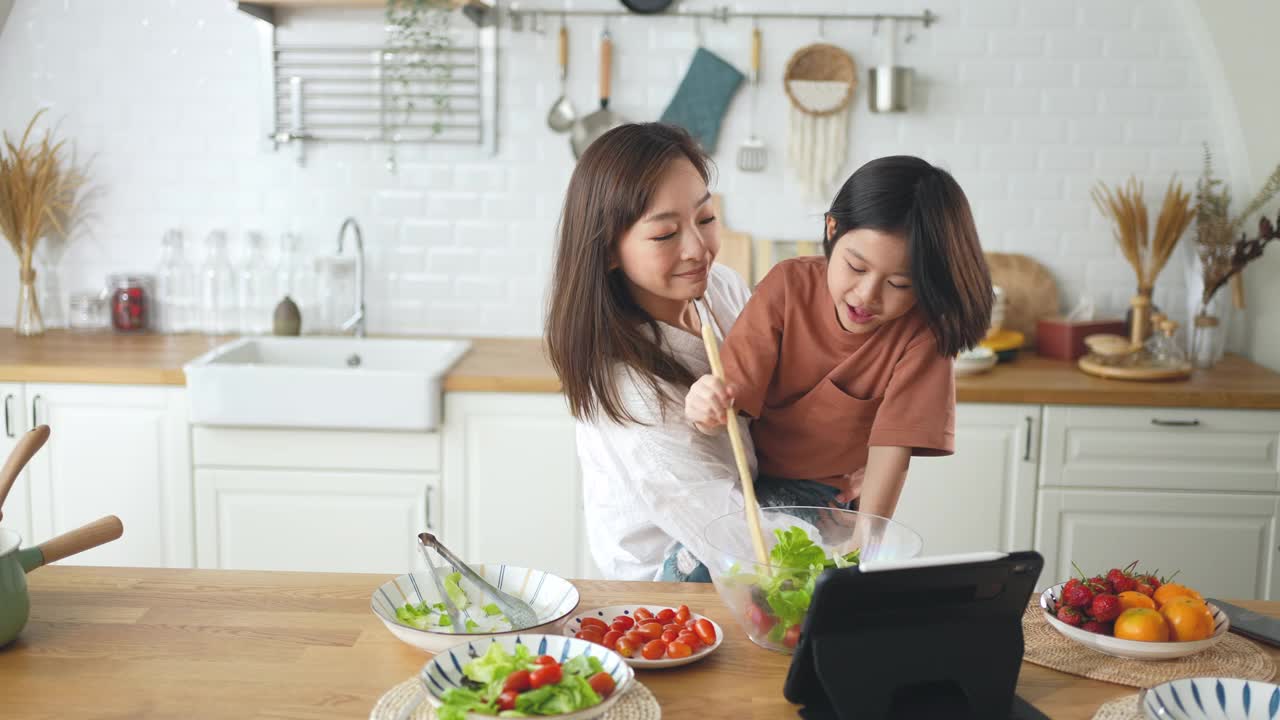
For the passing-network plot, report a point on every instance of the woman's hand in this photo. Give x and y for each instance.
(707, 404)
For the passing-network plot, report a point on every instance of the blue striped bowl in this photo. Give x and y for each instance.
(445, 669)
(551, 596)
(1211, 699)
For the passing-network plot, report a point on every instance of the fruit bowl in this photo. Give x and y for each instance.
(770, 600)
(1132, 649)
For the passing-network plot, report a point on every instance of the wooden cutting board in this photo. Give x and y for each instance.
(1029, 289)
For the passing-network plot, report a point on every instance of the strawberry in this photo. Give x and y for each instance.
(1102, 628)
(1099, 585)
(1145, 589)
(1070, 616)
(1079, 596)
(1115, 575)
(1151, 580)
(1124, 583)
(1105, 608)
(1073, 582)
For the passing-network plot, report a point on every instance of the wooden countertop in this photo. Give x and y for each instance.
(519, 365)
(152, 643)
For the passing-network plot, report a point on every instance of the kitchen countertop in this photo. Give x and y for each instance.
(154, 643)
(519, 365)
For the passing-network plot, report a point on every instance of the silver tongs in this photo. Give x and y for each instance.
(519, 612)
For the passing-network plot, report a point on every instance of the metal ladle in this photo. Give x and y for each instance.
(562, 115)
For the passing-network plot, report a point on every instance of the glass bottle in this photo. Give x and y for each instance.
(296, 278)
(253, 287)
(175, 287)
(217, 287)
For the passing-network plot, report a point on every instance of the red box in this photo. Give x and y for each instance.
(1057, 338)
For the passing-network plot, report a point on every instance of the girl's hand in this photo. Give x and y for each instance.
(707, 404)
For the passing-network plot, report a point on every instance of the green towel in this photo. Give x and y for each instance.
(703, 96)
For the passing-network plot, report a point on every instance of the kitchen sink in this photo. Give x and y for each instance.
(322, 382)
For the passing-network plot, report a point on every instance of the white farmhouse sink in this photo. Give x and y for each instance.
(340, 382)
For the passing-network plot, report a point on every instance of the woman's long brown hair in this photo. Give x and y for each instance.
(592, 321)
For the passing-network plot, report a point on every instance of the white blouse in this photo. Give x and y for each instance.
(650, 486)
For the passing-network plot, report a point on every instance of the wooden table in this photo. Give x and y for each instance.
(148, 643)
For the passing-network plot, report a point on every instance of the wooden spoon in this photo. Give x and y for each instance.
(28, 445)
(739, 452)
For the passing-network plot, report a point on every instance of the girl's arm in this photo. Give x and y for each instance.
(885, 475)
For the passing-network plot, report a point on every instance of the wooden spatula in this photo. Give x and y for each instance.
(28, 445)
(752, 508)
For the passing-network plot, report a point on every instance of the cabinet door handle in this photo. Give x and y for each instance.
(1175, 423)
(8, 416)
(1026, 453)
(35, 417)
(430, 527)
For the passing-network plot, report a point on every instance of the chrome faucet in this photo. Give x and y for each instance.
(355, 323)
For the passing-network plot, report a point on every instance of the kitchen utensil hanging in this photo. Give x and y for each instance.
(703, 96)
(819, 81)
(888, 84)
(646, 7)
(603, 120)
(752, 154)
(562, 114)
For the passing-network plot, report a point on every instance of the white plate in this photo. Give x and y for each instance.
(444, 671)
(551, 596)
(574, 623)
(977, 360)
(1133, 649)
(1210, 698)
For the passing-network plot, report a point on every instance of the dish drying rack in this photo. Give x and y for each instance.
(370, 93)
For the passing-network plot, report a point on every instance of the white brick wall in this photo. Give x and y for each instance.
(1027, 102)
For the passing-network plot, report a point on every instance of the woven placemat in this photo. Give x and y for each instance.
(1124, 708)
(1233, 657)
(637, 704)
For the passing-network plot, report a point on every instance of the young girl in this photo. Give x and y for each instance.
(637, 244)
(845, 360)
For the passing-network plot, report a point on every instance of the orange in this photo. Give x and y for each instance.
(1135, 599)
(1188, 619)
(1142, 624)
(1169, 591)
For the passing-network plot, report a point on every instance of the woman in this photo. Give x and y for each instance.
(638, 241)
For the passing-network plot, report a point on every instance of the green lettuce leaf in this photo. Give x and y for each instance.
(453, 589)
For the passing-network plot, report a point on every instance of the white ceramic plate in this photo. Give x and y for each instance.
(977, 360)
(574, 623)
(1211, 699)
(551, 596)
(1133, 649)
(445, 669)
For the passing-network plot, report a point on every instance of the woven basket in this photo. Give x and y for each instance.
(821, 62)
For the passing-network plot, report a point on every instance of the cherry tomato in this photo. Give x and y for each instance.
(683, 614)
(690, 638)
(623, 623)
(672, 626)
(665, 615)
(610, 639)
(591, 635)
(546, 675)
(642, 614)
(706, 631)
(689, 624)
(625, 647)
(653, 650)
(651, 630)
(507, 700)
(602, 683)
(596, 623)
(678, 649)
(518, 681)
(669, 635)
(636, 637)
(762, 620)
(546, 660)
(792, 636)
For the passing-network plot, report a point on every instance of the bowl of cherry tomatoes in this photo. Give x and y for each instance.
(648, 636)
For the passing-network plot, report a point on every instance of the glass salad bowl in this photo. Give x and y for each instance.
(770, 601)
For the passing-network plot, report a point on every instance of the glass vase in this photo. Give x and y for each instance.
(29, 321)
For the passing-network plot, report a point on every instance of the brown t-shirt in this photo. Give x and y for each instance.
(822, 395)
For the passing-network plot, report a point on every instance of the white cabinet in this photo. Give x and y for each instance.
(512, 485)
(983, 496)
(314, 500)
(1188, 489)
(17, 508)
(114, 450)
(1223, 544)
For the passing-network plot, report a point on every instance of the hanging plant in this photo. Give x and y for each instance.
(418, 66)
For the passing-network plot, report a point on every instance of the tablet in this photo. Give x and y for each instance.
(932, 637)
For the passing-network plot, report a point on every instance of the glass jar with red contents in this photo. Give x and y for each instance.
(129, 301)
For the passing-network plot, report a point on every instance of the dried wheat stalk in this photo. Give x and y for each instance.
(37, 190)
(1127, 209)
